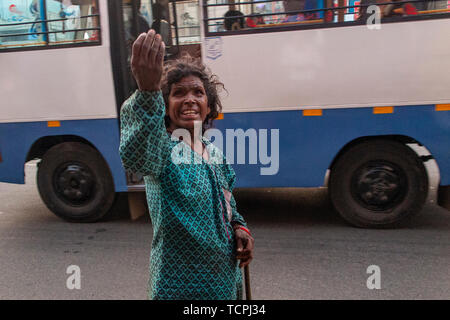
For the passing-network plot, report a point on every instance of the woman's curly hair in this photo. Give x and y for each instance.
(186, 65)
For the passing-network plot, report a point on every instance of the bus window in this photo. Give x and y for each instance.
(309, 14)
(215, 11)
(77, 15)
(187, 22)
(25, 23)
(17, 24)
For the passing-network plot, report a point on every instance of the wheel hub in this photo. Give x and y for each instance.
(74, 183)
(379, 186)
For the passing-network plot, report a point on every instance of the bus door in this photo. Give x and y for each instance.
(176, 21)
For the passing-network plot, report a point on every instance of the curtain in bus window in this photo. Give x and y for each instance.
(17, 18)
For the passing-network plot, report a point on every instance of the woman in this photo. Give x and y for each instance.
(198, 235)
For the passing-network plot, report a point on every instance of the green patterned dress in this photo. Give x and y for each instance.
(191, 206)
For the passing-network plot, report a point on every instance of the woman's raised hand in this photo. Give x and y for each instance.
(147, 61)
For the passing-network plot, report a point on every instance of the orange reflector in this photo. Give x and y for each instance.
(312, 112)
(381, 110)
(442, 107)
(220, 116)
(53, 124)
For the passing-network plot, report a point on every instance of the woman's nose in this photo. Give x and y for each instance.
(189, 98)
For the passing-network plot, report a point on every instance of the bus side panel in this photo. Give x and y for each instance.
(308, 144)
(400, 64)
(13, 150)
(16, 140)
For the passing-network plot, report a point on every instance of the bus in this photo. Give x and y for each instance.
(344, 89)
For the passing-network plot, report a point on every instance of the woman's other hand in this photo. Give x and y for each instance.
(147, 61)
(244, 247)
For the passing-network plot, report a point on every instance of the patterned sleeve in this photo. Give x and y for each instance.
(230, 175)
(144, 142)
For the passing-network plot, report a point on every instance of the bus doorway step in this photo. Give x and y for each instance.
(444, 197)
(137, 203)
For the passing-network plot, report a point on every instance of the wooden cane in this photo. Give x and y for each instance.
(248, 291)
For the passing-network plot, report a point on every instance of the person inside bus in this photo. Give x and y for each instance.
(198, 234)
(253, 22)
(160, 22)
(399, 9)
(234, 19)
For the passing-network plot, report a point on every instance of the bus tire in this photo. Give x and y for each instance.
(378, 184)
(75, 183)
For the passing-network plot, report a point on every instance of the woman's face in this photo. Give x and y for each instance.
(187, 103)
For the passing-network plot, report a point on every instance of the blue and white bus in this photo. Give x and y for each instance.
(347, 99)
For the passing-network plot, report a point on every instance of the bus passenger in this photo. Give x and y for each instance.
(253, 22)
(399, 9)
(198, 234)
(234, 19)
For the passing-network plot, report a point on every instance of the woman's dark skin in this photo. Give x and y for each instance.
(188, 103)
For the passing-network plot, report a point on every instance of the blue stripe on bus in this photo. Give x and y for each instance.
(16, 140)
(308, 145)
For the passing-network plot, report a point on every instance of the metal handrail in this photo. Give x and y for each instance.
(46, 32)
(44, 21)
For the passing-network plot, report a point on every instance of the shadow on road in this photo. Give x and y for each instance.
(304, 206)
(295, 206)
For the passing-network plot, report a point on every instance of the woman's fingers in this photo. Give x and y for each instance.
(247, 254)
(147, 60)
(160, 55)
(239, 246)
(147, 46)
(137, 48)
(246, 260)
(154, 49)
(250, 244)
(244, 248)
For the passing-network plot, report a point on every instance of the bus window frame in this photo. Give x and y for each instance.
(309, 26)
(52, 45)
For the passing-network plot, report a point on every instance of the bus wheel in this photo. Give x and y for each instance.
(75, 183)
(378, 184)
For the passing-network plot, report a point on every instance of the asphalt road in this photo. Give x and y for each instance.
(304, 250)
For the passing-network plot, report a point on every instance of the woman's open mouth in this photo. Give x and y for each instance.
(189, 114)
